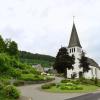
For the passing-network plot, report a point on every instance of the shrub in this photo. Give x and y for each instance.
(52, 84)
(18, 83)
(57, 85)
(11, 92)
(1, 86)
(69, 84)
(75, 87)
(31, 77)
(46, 86)
(74, 75)
(15, 73)
(5, 81)
(96, 81)
(65, 81)
(79, 88)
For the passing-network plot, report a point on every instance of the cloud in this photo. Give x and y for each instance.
(42, 26)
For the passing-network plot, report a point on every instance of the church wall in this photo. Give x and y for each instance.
(93, 73)
(90, 74)
(98, 73)
(76, 51)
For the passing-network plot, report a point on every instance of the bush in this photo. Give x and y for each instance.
(52, 84)
(75, 87)
(96, 81)
(5, 81)
(79, 88)
(46, 86)
(11, 92)
(31, 77)
(18, 83)
(69, 84)
(72, 81)
(1, 86)
(65, 81)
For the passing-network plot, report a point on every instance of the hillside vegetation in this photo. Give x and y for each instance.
(13, 71)
(30, 58)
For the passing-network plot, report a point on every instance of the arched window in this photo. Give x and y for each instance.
(70, 50)
(74, 49)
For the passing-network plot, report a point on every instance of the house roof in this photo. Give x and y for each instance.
(93, 63)
(74, 39)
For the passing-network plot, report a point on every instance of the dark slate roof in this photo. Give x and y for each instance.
(93, 63)
(74, 39)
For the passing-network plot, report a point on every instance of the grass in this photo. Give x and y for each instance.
(86, 89)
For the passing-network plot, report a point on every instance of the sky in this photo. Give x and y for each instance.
(43, 26)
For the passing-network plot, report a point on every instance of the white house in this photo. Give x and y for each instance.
(75, 48)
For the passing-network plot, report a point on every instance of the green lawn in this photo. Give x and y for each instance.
(86, 88)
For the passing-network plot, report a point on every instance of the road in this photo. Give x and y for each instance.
(90, 96)
(36, 93)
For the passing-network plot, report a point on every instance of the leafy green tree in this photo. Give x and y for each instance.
(4, 63)
(84, 63)
(7, 43)
(2, 45)
(12, 48)
(63, 61)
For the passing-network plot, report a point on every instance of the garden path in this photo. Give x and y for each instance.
(34, 92)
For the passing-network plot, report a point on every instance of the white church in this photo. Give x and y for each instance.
(75, 48)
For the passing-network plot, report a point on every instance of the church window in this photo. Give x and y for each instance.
(74, 49)
(70, 50)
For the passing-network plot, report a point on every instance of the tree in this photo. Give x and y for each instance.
(63, 61)
(4, 63)
(12, 48)
(2, 45)
(84, 63)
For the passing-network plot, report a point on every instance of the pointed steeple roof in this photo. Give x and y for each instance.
(74, 39)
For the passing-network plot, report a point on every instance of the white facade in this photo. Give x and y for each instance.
(94, 72)
(75, 49)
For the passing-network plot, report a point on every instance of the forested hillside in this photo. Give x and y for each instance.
(30, 58)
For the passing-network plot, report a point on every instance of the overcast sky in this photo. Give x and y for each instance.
(42, 26)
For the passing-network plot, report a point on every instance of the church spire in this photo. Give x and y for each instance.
(74, 39)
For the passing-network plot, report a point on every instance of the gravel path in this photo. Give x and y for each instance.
(36, 94)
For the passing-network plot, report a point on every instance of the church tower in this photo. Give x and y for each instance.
(75, 48)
